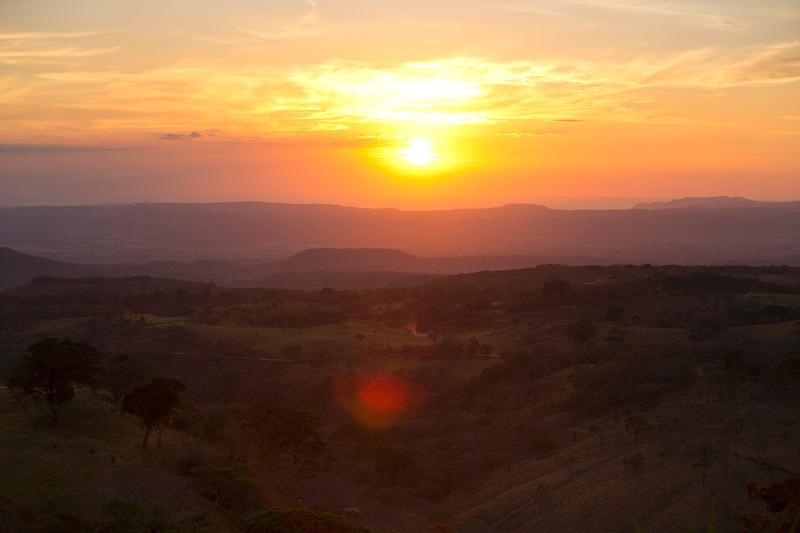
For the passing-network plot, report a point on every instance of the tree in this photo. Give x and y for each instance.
(154, 402)
(122, 374)
(581, 331)
(279, 429)
(52, 367)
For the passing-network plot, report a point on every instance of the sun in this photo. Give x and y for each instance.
(419, 152)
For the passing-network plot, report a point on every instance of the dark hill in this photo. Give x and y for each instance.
(389, 260)
(17, 268)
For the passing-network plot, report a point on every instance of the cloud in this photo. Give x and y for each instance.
(42, 48)
(334, 96)
(306, 26)
(44, 36)
(32, 56)
(716, 68)
(691, 14)
(181, 136)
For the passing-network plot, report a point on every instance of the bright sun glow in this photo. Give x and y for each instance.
(420, 152)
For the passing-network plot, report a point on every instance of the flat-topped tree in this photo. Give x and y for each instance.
(154, 402)
(52, 367)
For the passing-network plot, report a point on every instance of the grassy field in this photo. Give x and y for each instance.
(344, 337)
(93, 456)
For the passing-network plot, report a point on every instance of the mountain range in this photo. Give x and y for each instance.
(252, 234)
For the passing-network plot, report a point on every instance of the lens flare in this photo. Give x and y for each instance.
(383, 395)
(376, 400)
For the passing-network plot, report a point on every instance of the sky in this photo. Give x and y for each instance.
(410, 104)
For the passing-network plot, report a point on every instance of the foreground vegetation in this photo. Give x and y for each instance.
(649, 397)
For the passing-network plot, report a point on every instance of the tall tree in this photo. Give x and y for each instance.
(154, 402)
(52, 367)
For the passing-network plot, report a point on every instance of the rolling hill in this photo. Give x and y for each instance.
(17, 268)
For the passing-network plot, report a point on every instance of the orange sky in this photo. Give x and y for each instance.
(405, 104)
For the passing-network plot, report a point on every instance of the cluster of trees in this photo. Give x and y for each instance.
(53, 368)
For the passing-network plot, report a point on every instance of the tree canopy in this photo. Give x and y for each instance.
(154, 402)
(52, 367)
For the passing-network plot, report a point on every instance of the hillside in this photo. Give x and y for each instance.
(525, 400)
(307, 270)
(17, 268)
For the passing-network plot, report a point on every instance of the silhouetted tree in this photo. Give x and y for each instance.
(154, 402)
(52, 367)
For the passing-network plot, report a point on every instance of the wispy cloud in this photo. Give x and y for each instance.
(306, 26)
(181, 136)
(40, 36)
(22, 48)
(695, 13)
(264, 102)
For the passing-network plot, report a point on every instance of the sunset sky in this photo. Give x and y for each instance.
(411, 104)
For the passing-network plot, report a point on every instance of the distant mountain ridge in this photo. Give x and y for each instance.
(715, 202)
(686, 231)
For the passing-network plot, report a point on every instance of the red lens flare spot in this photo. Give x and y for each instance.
(383, 395)
(377, 400)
